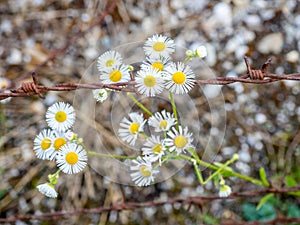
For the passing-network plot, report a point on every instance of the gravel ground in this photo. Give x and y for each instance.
(262, 121)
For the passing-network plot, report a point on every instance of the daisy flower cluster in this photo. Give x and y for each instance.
(169, 139)
(59, 143)
(157, 72)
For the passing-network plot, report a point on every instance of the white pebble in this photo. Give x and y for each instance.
(271, 43)
(292, 56)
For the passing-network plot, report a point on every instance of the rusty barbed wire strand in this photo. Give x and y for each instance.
(260, 76)
(189, 200)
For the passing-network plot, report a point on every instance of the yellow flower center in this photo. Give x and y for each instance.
(110, 62)
(59, 142)
(179, 77)
(115, 75)
(158, 65)
(180, 141)
(71, 158)
(45, 144)
(61, 116)
(149, 81)
(145, 171)
(134, 127)
(163, 124)
(159, 46)
(157, 149)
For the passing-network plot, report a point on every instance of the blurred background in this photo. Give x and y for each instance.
(262, 123)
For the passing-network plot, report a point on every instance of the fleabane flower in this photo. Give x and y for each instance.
(159, 46)
(180, 78)
(153, 148)
(149, 82)
(100, 94)
(201, 51)
(156, 63)
(130, 128)
(142, 171)
(162, 121)
(116, 74)
(71, 158)
(224, 191)
(108, 60)
(178, 140)
(47, 189)
(43, 144)
(60, 116)
(59, 140)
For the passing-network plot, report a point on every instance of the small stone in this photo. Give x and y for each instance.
(15, 57)
(292, 56)
(271, 43)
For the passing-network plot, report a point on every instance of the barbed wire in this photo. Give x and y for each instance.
(189, 200)
(260, 76)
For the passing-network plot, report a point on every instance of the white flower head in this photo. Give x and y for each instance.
(100, 94)
(47, 189)
(60, 116)
(108, 60)
(149, 82)
(179, 140)
(162, 121)
(224, 191)
(201, 51)
(142, 171)
(116, 74)
(153, 148)
(43, 144)
(71, 158)
(59, 140)
(179, 78)
(157, 63)
(159, 46)
(129, 129)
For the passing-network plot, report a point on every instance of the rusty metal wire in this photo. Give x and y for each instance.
(260, 76)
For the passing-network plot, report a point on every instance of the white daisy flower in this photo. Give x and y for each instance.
(162, 121)
(142, 171)
(224, 191)
(43, 144)
(108, 60)
(154, 148)
(59, 140)
(157, 63)
(149, 82)
(129, 129)
(100, 94)
(179, 78)
(60, 116)
(116, 74)
(201, 51)
(71, 158)
(178, 140)
(47, 189)
(159, 46)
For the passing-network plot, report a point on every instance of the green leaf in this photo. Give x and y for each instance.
(263, 177)
(290, 181)
(293, 210)
(263, 200)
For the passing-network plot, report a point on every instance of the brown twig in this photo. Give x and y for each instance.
(189, 200)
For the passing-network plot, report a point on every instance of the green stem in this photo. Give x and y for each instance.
(140, 104)
(92, 153)
(205, 164)
(174, 109)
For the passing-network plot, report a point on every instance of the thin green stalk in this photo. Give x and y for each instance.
(140, 104)
(174, 109)
(92, 153)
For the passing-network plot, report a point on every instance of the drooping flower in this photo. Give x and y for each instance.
(159, 46)
(179, 78)
(47, 189)
(100, 95)
(142, 171)
(129, 129)
(201, 51)
(60, 116)
(224, 191)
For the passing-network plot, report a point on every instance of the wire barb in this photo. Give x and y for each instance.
(257, 74)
